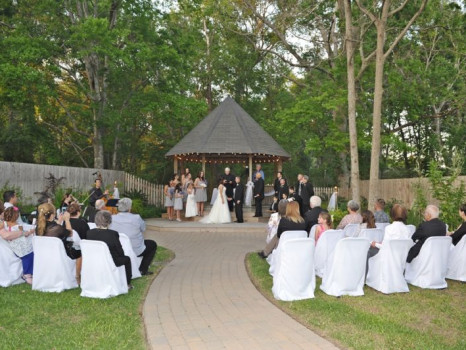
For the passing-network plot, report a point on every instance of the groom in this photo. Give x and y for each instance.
(229, 183)
(239, 195)
(258, 194)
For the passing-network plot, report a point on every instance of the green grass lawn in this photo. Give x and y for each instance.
(36, 320)
(420, 319)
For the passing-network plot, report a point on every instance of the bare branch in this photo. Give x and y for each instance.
(405, 29)
(366, 12)
(398, 9)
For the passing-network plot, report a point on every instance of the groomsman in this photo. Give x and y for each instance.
(258, 194)
(307, 191)
(239, 200)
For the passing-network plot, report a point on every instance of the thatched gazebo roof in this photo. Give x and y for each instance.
(228, 135)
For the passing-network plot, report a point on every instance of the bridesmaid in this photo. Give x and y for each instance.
(168, 192)
(200, 184)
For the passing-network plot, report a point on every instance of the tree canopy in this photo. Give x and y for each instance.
(115, 83)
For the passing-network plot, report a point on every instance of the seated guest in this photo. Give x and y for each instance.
(368, 221)
(47, 226)
(133, 226)
(353, 217)
(396, 230)
(77, 223)
(274, 220)
(291, 222)
(324, 222)
(92, 211)
(11, 200)
(19, 241)
(432, 226)
(311, 217)
(103, 220)
(379, 214)
(461, 230)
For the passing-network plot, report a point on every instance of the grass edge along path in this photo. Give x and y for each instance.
(420, 319)
(37, 320)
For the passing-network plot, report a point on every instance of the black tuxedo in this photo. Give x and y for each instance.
(427, 229)
(112, 239)
(283, 190)
(311, 217)
(276, 185)
(258, 195)
(230, 184)
(307, 191)
(239, 200)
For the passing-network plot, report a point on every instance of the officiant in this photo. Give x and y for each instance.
(230, 184)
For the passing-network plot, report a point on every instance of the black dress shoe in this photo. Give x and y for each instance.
(146, 273)
(261, 254)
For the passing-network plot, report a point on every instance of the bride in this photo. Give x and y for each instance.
(219, 214)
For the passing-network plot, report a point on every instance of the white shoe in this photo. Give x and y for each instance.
(179, 220)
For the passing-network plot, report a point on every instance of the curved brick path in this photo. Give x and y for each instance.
(204, 299)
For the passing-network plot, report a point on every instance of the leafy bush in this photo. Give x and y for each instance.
(450, 197)
(337, 215)
(136, 195)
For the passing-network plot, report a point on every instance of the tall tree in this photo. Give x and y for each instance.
(380, 15)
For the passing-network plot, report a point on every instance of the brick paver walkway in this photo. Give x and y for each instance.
(204, 299)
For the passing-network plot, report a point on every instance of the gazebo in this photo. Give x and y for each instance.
(228, 135)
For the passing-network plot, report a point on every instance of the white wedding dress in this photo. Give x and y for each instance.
(220, 213)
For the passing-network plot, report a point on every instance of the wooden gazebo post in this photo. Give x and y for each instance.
(175, 165)
(203, 164)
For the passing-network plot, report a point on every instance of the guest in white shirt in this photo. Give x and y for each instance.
(134, 226)
(396, 230)
(11, 200)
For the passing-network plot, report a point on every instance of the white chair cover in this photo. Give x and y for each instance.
(100, 278)
(11, 268)
(387, 267)
(350, 230)
(429, 268)
(345, 273)
(312, 233)
(286, 235)
(92, 225)
(372, 234)
(457, 261)
(54, 271)
(382, 225)
(129, 252)
(412, 229)
(324, 249)
(294, 278)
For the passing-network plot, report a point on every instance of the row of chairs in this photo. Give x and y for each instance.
(54, 271)
(341, 262)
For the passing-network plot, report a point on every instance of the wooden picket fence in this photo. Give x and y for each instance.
(153, 192)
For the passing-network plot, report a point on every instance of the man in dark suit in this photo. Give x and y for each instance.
(293, 196)
(429, 228)
(277, 184)
(239, 200)
(112, 239)
(96, 193)
(311, 216)
(258, 194)
(229, 183)
(307, 191)
(283, 190)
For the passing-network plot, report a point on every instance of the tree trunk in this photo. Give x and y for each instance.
(377, 115)
(209, 98)
(351, 81)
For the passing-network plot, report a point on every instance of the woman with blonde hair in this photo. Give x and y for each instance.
(48, 226)
(292, 221)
